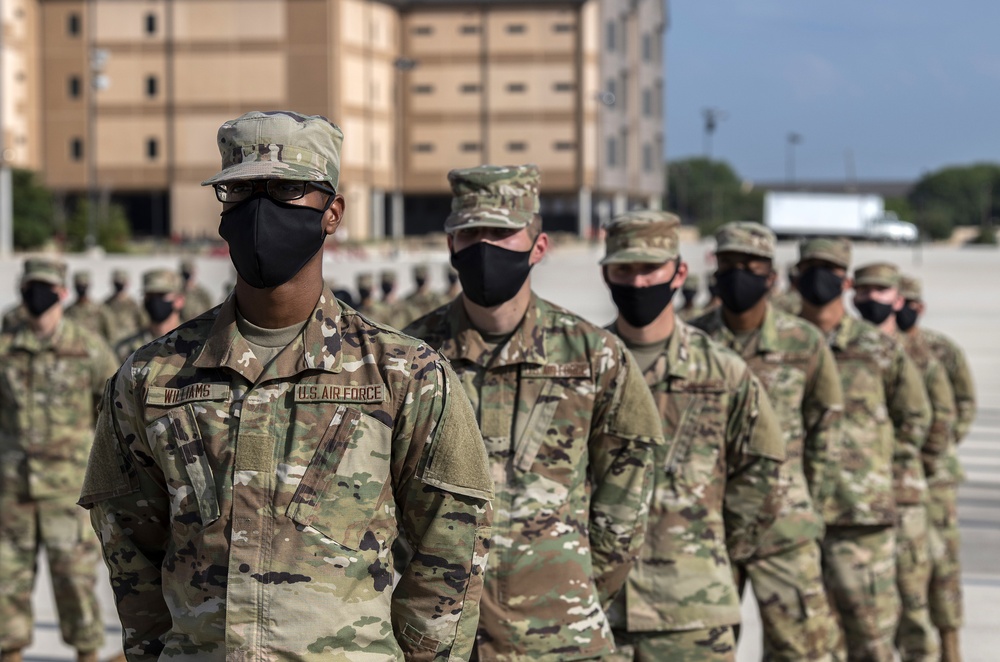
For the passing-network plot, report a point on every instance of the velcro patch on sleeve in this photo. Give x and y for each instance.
(368, 394)
(160, 395)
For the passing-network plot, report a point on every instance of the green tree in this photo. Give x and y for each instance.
(33, 211)
(112, 232)
(710, 193)
(967, 195)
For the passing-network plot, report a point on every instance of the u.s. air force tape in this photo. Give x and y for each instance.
(359, 394)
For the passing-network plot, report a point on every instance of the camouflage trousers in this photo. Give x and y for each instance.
(794, 611)
(63, 529)
(859, 570)
(916, 638)
(945, 598)
(711, 645)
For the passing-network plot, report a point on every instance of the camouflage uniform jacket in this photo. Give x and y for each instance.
(789, 301)
(196, 301)
(952, 358)
(92, 316)
(126, 316)
(886, 417)
(939, 454)
(419, 304)
(125, 346)
(48, 394)
(393, 314)
(14, 316)
(792, 361)
(715, 488)
(252, 512)
(570, 430)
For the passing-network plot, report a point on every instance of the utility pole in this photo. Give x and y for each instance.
(712, 117)
(791, 141)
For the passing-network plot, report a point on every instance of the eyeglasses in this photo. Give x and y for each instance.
(283, 190)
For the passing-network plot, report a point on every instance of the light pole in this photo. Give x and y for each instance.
(712, 117)
(791, 141)
(402, 65)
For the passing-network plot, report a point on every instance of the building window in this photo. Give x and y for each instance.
(74, 87)
(516, 28)
(563, 146)
(563, 27)
(423, 148)
(423, 89)
(469, 29)
(152, 148)
(612, 152)
(647, 157)
(76, 149)
(150, 23)
(516, 88)
(647, 102)
(73, 25)
(151, 86)
(470, 88)
(471, 147)
(647, 48)
(517, 147)
(423, 30)
(611, 35)
(563, 87)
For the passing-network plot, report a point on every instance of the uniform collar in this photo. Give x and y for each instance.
(464, 342)
(318, 347)
(840, 336)
(767, 340)
(26, 340)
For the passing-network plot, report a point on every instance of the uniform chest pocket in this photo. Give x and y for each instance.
(177, 442)
(698, 437)
(343, 485)
(552, 440)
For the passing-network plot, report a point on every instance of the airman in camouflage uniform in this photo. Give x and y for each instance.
(366, 294)
(389, 310)
(423, 299)
(53, 374)
(789, 301)
(14, 317)
(89, 314)
(715, 482)
(454, 286)
(163, 299)
(877, 288)
(690, 310)
(569, 426)
(886, 417)
(125, 315)
(792, 361)
(941, 465)
(196, 298)
(253, 498)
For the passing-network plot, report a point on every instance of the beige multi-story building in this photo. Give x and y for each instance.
(19, 84)
(132, 91)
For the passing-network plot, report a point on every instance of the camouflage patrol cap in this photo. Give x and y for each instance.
(119, 276)
(878, 274)
(44, 269)
(279, 144)
(832, 249)
(364, 280)
(745, 237)
(387, 276)
(161, 281)
(692, 282)
(647, 236)
(910, 288)
(81, 278)
(420, 271)
(493, 197)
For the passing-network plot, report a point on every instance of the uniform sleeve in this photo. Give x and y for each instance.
(624, 434)
(103, 366)
(130, 511)
(910, 412)
(964, 389)
(755, 451)
(822, 414)
(942, 402)
(445, 516)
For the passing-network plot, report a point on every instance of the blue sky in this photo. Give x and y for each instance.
(908, 87)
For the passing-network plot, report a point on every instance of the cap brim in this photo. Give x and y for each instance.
(826, 257)
(488, 218)
(639, 256)
(268, 170)
(874, 282)
(41, 278)
(745, 250)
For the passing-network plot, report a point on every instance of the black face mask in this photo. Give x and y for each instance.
(420, 282)
(387, 288)
(81, 291)
(689, 295)
(186, 276)
(639, 306)
(158, 307)
(873, 311)
(270, 241)
(740, 290)
(364, 293)
(119, 288)
(819, 285)
(39, 297)
(906, 318)
(490, 274)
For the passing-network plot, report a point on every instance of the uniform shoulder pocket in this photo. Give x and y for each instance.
(344, 482)
(109, 472)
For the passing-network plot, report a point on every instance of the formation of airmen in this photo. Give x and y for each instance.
(285, 477)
